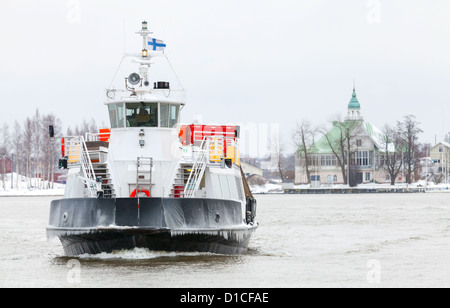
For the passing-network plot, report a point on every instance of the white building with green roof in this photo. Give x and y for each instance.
(328, 156)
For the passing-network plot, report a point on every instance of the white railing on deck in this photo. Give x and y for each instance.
(98, 136)
(211, 151)
(78, 154)
(198, 168)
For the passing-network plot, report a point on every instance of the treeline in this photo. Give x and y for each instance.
(29, 151)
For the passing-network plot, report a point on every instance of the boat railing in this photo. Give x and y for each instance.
(218, 148)
(103, 135)
(200, 135)
(198, 169)
(213, 150)
(78, 155)
(175, 94)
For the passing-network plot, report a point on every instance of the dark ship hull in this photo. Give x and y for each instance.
(92, 226)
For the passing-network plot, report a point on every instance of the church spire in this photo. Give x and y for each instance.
(354, 108)
(354, 103)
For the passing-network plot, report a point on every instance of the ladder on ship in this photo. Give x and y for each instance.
(144, 174)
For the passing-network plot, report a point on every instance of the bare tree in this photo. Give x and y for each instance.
(391, 157)
(339, 140)
(36, 140)
(83, 128)
(17, 145)
(93, 128)
(28, 147)
(303, 139)
(277, 151)
(437, 177)
(4, 151)
(424, 150)
(49, 148)
(35, 152)
(77, 131)
(409, 131)
(70, 132)
(46, 150)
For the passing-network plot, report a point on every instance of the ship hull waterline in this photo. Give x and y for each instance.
(92, 226)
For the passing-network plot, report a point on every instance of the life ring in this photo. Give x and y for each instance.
(134, 192)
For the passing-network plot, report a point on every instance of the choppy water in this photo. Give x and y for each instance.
(382, 240)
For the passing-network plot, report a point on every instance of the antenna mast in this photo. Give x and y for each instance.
(144, 62)
(144, 33)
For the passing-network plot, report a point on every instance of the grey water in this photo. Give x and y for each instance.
(370, 240)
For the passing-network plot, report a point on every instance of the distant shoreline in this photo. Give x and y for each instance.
(344, 189)
(28, 196)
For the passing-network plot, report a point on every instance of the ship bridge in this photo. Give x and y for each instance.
(147, 112)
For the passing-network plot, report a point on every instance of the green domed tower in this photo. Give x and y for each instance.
(354, 109)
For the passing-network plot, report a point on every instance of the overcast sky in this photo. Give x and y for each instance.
(245, 61)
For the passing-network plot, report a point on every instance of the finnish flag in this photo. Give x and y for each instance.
(156, 44)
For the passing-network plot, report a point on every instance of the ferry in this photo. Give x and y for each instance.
(150, 182)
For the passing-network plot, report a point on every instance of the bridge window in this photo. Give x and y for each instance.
(116, 115)
(142, 114)
(168, 115)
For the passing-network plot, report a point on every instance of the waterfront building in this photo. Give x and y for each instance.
(440, 155)
(355, 140)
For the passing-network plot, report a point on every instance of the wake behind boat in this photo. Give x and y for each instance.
(149, 181)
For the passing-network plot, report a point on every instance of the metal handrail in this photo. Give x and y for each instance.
(212, 150)
(200, 163)
(96, 136)
(79, 152)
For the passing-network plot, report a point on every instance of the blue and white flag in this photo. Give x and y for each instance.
(156, 44)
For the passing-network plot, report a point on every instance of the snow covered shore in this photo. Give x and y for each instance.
(22, 188)
(271, 188)
(268, 188)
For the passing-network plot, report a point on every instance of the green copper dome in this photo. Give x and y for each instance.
(354, 104)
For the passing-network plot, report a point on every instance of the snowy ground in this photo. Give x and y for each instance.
(37, 188)
(272, 188)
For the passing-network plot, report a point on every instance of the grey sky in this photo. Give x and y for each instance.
(240, 61)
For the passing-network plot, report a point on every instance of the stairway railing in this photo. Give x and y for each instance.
(198, 168)
(78, 154)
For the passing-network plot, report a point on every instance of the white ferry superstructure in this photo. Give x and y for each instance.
(149, 181)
